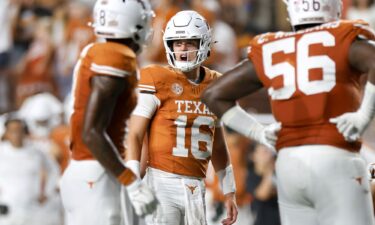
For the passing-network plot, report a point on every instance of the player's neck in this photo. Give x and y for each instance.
(304, 26)
(16, 144)
(196, 75)
(126, 41)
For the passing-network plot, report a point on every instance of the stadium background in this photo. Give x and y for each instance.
(40, 41)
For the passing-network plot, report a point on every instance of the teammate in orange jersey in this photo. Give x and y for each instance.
(104, 95)
(312, 76)
(180, 129)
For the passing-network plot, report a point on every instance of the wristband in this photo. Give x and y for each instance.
(134, 166)
(226, 180)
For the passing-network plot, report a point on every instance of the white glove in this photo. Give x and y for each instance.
(142, 198)
(268, 135)
(351, 125)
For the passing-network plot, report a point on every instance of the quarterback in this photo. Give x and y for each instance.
(183, 134)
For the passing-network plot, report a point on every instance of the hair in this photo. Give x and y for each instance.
(14, 117)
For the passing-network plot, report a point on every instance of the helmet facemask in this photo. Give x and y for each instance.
(192, 58)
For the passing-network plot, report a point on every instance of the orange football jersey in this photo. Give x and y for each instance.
(102, 59)
(182, 128)
(310, 80)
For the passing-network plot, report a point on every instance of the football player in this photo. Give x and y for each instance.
(312, 76)
(104, 95)
(183, 135)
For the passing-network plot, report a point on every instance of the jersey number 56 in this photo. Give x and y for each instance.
(298, 76)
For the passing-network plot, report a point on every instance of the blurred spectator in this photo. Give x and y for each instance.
(261, 184)
(155, 52)
(7, 17)
(6, 38)
(23, 176)
(224, 53)
(236, 13)
(362, 9)
(35, 76)
(43, 112)
(23, 29)
(262, 17)
(72, 23)
(281, 16)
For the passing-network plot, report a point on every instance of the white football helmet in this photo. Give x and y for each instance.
(313, 11)
(123, 19)
(42, 112)
(187, 25)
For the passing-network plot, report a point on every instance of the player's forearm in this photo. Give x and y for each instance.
(367, 108)
(236, 83)
(220, 156)
(134, 148)
(239, 120)
(104, 151)
(215, 103)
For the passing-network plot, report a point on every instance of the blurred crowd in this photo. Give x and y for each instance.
(40, 42)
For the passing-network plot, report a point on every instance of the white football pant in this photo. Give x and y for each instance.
(91, 196)
(323, 185)
(181, 199)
